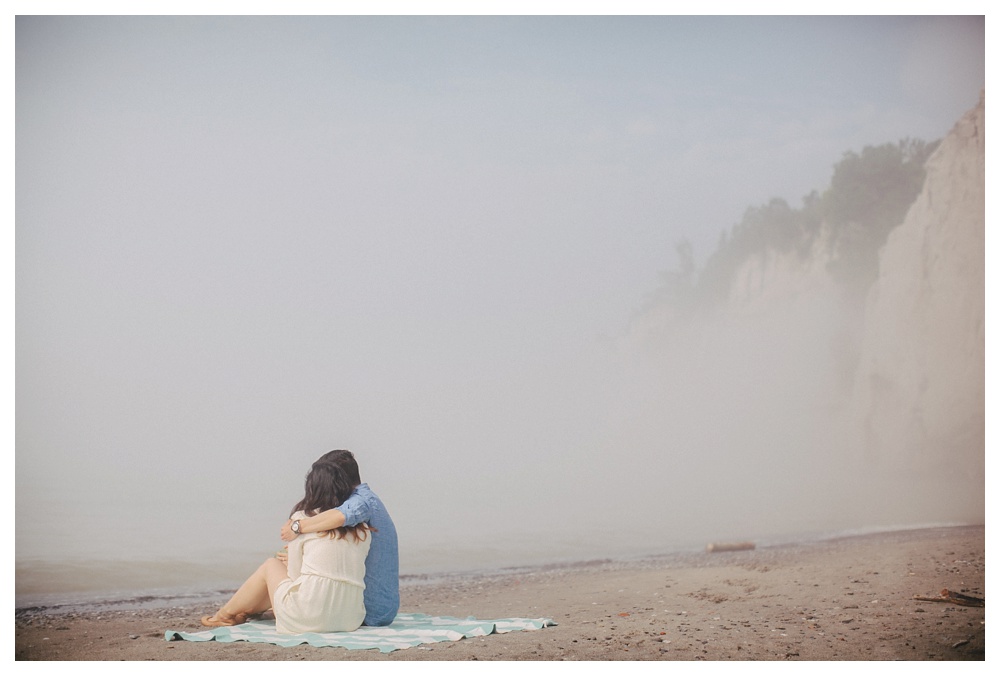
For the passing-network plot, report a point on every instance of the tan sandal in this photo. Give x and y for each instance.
(217, 621)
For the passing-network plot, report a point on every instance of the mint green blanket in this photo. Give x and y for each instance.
(408, 630)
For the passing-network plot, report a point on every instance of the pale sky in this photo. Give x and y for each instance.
(243, 241)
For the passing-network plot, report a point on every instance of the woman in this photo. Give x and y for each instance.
(321, 587)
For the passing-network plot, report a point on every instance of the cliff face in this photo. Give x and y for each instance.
(809, 404)
(907, 362)
(772, 279)
(920, 387)
(916, 356)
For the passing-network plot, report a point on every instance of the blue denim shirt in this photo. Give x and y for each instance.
(382, 564)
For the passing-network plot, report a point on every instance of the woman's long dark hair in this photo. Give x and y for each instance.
(327, 487)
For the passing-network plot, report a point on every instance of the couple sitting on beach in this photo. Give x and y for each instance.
(342, 563)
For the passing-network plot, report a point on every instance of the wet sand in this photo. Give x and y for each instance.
(844, 599)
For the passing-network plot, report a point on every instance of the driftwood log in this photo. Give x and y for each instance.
(947, 596)
(730, 546)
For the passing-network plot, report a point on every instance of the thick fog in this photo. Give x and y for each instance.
(242, 242)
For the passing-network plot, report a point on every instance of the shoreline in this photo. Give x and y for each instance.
(161, 596)
(845, 598)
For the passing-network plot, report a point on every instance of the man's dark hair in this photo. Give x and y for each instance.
(326, 488)
(329, 483)
(344, 461)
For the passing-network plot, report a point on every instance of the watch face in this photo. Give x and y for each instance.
(295, 526)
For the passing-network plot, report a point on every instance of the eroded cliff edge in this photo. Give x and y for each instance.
(919, 395)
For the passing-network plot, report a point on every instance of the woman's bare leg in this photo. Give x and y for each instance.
(254, 596)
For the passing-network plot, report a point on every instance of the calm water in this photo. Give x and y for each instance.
(86, 548)
(169, 565)
(88, 576)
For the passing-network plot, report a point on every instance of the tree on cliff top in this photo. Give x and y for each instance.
(868, 196)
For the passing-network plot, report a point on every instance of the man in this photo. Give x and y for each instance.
(382, 563)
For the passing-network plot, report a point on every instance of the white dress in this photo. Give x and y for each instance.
(325, 589)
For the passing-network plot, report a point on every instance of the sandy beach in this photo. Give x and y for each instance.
(842, 599)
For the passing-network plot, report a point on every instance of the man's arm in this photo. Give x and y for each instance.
(328, 520)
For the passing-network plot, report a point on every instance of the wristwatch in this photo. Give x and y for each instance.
(295, 527)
